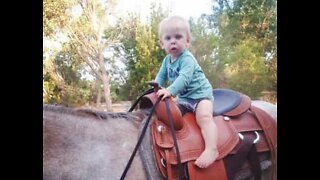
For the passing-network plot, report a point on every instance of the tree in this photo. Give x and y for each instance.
(86, 34)
(247, 71)
(55, 15)
(62, 81)
(247, 37)
(203, 44)
(142, 52)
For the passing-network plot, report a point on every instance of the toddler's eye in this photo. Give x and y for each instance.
(167, 38)
(178, 36)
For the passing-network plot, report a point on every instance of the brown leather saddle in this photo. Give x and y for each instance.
(242, 130)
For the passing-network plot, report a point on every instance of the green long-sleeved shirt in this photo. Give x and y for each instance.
(185, 77)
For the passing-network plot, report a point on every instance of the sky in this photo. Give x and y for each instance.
(185, 8)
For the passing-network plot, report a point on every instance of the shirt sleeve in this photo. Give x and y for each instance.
(162, 74)
(187, 68)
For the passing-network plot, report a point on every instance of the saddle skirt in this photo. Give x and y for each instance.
(241, 118)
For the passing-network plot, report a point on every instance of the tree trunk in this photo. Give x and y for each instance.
(105, 79)
(98, 96)
(106, 90)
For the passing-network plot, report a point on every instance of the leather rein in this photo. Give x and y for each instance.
(180, 168)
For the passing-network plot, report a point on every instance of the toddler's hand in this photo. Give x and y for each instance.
(163, 92)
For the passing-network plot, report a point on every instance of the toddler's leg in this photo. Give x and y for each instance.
(209, 134)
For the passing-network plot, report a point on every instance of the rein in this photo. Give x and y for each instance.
(174, 138)
(137, 101)
(142, 133)
(145, 129)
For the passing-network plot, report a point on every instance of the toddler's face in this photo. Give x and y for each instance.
(174, 40)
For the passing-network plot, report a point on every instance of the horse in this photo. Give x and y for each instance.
(81, 143)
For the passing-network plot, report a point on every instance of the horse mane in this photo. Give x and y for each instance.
(136, 116)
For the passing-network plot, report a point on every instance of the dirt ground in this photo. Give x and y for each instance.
(122, 106)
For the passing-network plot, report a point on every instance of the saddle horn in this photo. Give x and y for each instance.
(161, 110)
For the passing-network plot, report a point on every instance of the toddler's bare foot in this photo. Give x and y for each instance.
(206, 158)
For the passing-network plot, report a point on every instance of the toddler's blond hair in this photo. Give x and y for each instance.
(177, 22)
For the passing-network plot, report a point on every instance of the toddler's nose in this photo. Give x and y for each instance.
(173, 41)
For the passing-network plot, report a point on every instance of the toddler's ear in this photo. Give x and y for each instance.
(161, 44)
(188, 41)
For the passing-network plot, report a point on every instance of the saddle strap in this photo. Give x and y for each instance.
(168, 166)
(261, 116)
(254, 162)
(171, 170)
(246, 149)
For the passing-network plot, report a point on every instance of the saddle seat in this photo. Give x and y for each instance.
(233, 115)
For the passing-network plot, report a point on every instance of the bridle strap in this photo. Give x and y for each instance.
(137, 101)
(140, 138)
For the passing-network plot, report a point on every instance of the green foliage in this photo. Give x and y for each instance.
(247, 71)
(74, 94)
(245, 55)
(203, 45)
(117, 92)
(67, 66)
(55, 15)
(144, 67)
(50, 90)
(143, 54)
(62, 81)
